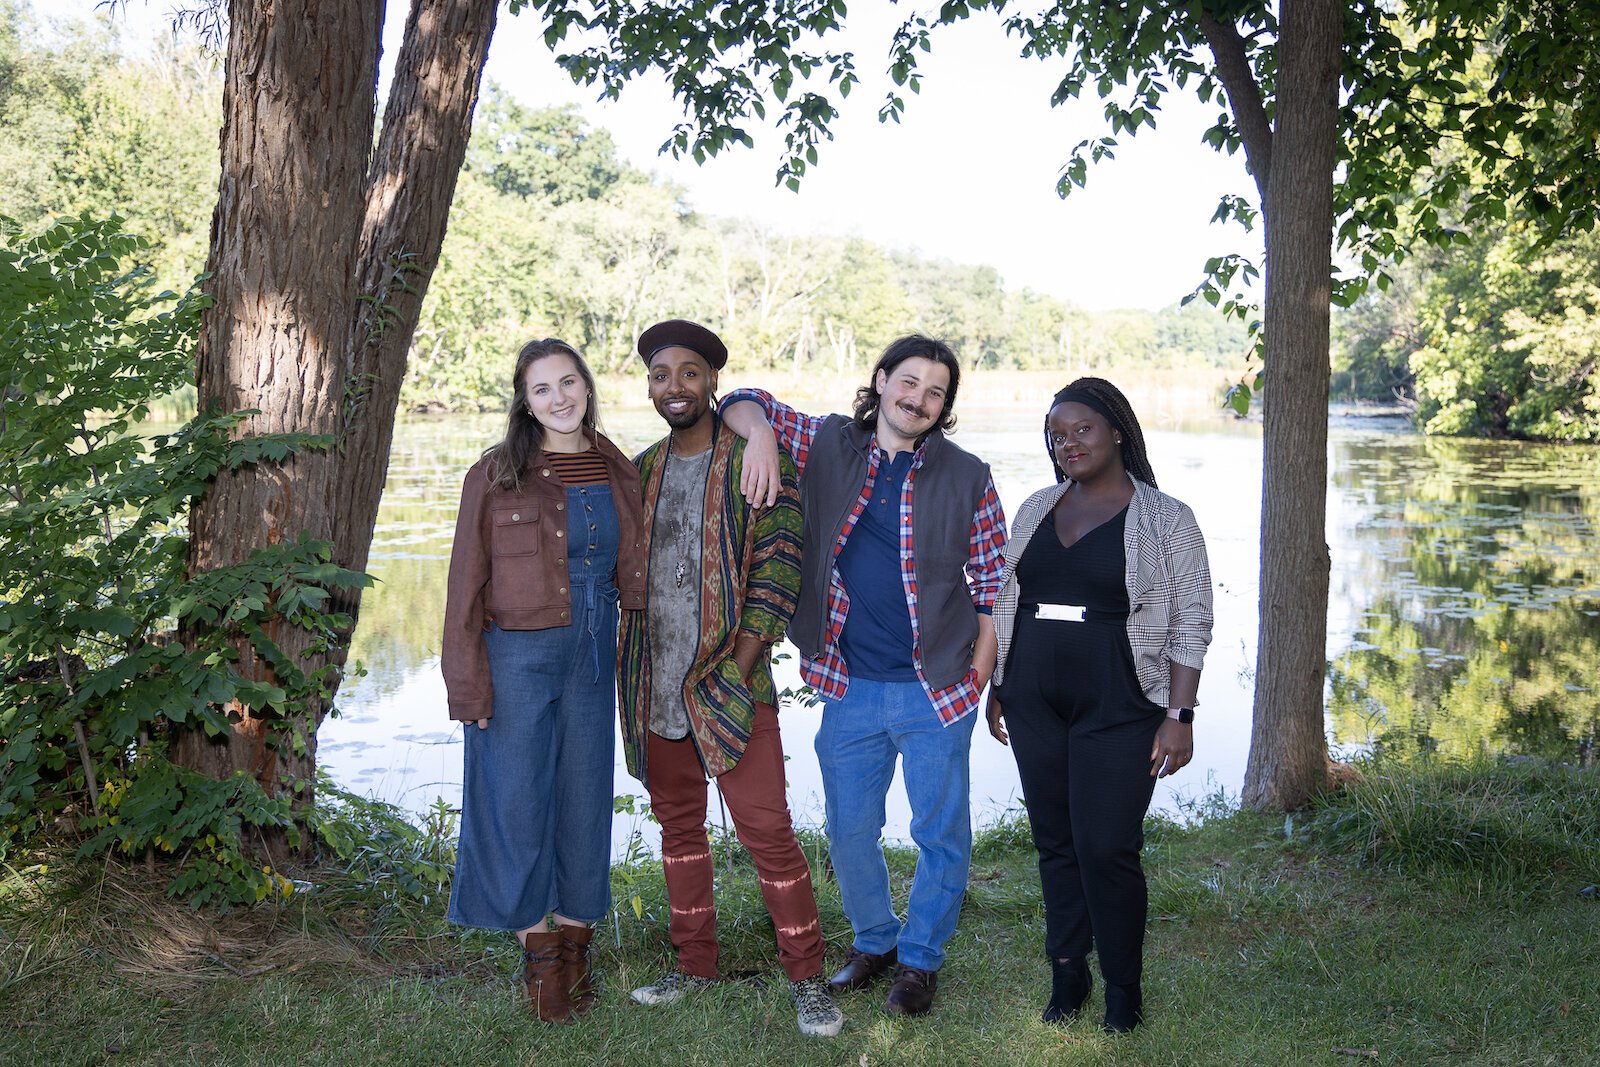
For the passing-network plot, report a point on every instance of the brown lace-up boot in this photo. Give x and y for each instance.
(544, 975)
(575, 966)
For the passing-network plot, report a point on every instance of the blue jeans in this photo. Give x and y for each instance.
(862, 734)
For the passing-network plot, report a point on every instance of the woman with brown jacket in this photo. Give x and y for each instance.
(548, 542)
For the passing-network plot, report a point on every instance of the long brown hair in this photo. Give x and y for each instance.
(524, 438)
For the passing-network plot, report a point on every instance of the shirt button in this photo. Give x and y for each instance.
(562, 562)
(545, 472)
(585, 563)
(563, 590)
(515, 517)
(561, 507)
(563, 614)
(561, 533)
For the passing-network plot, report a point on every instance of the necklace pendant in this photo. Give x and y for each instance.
(680, 573)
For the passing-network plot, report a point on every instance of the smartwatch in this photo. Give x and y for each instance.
(1183, 715)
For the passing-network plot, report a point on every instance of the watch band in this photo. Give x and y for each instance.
(1183, 715)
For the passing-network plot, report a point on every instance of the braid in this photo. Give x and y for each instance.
(1123, 419)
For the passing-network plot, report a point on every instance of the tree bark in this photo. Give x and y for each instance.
(321, 251)
(1288, 760)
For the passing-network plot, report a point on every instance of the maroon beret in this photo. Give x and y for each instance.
(682, 333)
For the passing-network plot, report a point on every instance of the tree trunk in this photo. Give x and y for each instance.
(1288, 747)
(321, 251)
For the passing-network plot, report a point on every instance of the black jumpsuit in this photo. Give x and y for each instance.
(1081, 730)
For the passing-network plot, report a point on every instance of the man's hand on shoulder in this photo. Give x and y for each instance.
(762, 477)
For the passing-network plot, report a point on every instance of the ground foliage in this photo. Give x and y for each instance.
(93, 588)
(1271, 940)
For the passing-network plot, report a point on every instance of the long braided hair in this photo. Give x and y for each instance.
(1107, 399)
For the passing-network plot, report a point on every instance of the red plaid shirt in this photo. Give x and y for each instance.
(985, 560)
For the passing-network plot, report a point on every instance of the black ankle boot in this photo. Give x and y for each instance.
(1124, 1008)
(1070, 983)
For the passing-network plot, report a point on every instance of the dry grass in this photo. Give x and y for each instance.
(120, 916)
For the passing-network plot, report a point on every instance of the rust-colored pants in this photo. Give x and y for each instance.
(754, 791)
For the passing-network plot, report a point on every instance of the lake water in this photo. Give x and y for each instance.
(1464, 606)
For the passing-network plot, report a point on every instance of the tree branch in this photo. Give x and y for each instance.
(1244, 95)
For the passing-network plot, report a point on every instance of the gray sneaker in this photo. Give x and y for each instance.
(815, 1012)
(671, 988)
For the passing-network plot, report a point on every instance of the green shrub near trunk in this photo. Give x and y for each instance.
(94, 591)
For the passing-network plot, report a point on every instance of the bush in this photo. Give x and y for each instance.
(93, 585)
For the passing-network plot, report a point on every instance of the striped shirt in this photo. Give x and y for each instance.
(578, 468)
(830, 675)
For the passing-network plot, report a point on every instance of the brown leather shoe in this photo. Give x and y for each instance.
(575, 966)
(861, 970)
(912, 992)
(544, 975)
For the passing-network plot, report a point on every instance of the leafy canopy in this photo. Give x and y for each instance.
(1421, 155)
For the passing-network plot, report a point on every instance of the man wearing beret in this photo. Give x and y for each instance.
(901, 566)
(697, 696)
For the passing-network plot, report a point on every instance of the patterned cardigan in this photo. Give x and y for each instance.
(1167, 576)
(749, 579)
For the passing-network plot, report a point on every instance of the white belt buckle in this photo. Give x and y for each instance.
(1061, 612)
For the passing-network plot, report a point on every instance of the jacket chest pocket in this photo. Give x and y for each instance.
(516, 530)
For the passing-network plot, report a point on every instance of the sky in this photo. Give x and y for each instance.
(969, 175)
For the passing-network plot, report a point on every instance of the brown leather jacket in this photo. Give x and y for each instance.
(508, 566)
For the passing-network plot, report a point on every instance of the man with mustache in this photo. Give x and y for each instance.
(900, 569)
(693, 672)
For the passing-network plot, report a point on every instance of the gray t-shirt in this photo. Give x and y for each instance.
(673, 619)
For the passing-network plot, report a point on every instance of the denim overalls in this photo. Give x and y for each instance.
(536, 796)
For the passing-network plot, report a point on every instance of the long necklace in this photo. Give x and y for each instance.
(681, 571)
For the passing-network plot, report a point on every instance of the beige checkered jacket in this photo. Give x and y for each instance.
(1168, 581)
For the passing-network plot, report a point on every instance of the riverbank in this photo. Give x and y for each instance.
(1432, 915)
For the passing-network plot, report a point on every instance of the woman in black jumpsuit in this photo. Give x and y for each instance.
(1103, 619)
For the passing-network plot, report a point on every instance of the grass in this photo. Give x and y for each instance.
(1348, 935)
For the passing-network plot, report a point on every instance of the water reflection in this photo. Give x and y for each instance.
(393, 739)
(1464, 615)
(1474, 569)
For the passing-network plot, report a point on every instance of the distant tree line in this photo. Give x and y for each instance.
(550, 232)
(1497, 337)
